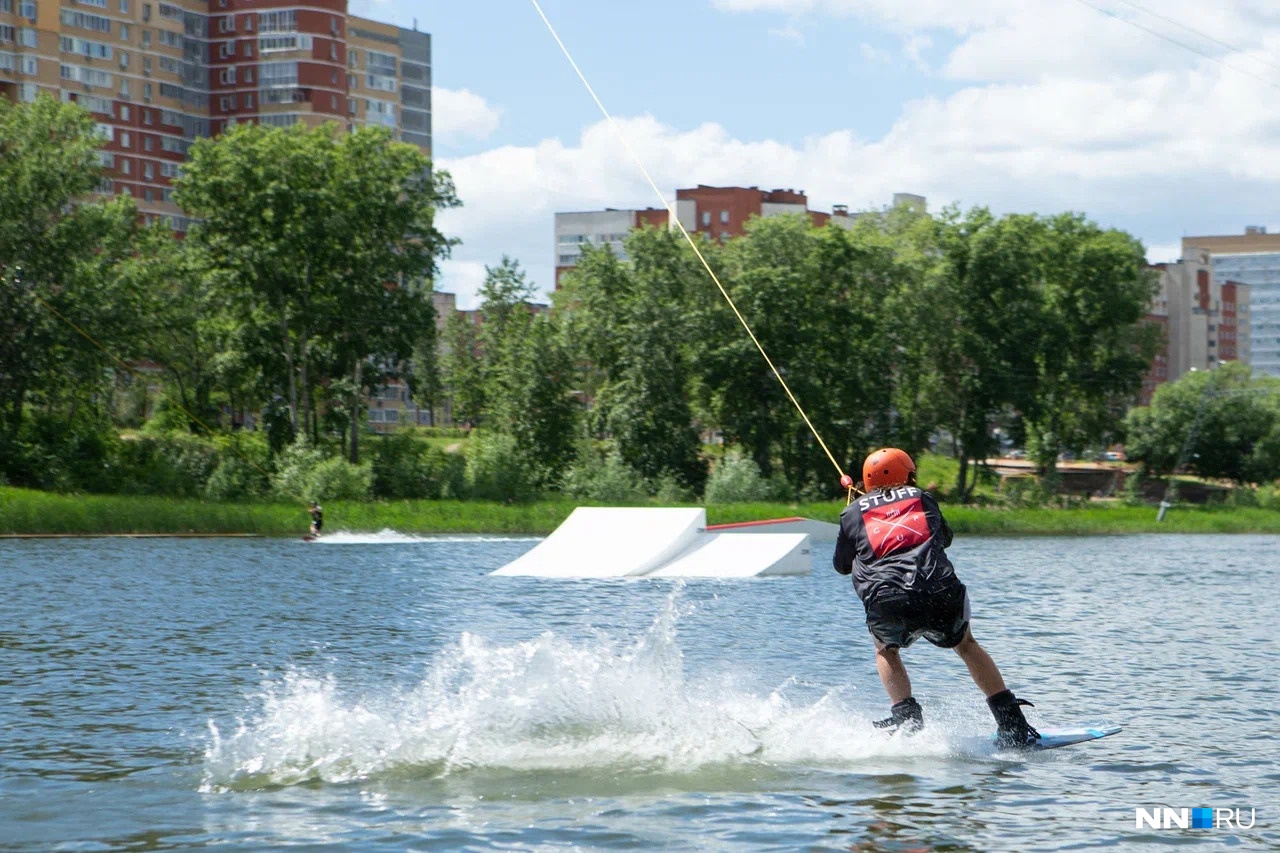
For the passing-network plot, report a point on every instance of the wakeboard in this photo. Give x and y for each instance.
(1054, 738)
(310, 538)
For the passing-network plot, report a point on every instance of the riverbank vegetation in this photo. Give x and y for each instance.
(234, 371)
(25, 512)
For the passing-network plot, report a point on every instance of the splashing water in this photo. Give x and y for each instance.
(546, 704)
(387, 536)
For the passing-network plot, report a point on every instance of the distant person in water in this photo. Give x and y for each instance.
(893, 541)
(317, 518)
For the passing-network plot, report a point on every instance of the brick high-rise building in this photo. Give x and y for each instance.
(1206, 321)
(159, 75)
(1251, 258)
(720, 213)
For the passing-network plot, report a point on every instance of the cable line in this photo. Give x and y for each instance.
(17, 281)
(1176, 42)
(845, 480)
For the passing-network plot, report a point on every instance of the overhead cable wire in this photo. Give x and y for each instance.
(1171, 40)
(673, 218)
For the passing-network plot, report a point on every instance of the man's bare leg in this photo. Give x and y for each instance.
(982, 668)
(893, 675)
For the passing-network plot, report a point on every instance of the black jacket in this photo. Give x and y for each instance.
(894, 540)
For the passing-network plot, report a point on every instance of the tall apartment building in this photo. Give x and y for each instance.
(1252, 258)
(720, 213)
(1206, 320)
(159, 75)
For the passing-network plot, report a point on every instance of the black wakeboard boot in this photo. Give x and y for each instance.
(1012, 729)
(906, 716)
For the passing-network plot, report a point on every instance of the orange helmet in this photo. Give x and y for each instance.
(888, 466)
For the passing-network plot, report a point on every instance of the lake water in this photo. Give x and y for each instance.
(382, 692)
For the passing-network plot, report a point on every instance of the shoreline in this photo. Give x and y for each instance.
(27, 514)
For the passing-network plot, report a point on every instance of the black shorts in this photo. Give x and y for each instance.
(897, 619)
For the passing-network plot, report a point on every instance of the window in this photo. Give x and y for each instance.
(146, 117)
(248, 48)
(248, 101)
(124, 32)
(97, 23)
(148, 171)
(227, 48)
(126, 167)
(27, 37)
(146, 11)
(248, 75)
(146, 38)
(147, 145)
(169, 170)
(124, 112)
(706, 218)
(377, 62)
(272, 43)
(147, 194)
(227, 76)
(224, 104)
(124, 143)
(124, 7)
(724, 217)
(146, 92)
(124, 59)
(278, 74)
(27, 9)
(278, 22)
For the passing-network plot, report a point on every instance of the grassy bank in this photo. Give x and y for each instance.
(25, 512)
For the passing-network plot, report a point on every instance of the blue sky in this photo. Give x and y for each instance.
(1156, 117)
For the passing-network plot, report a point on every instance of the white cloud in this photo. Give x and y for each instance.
(1147, 145)
(461, 113)
(1058, 108)
(1164, 252)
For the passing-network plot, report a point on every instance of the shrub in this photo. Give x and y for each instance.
(405, 467)
(242, 468)
(494, 469)
(604, 478)
(337, 479)
(175, 464)
(737, 479)
(294, 468)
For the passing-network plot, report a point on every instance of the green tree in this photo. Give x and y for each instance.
(632, 328)
(1217, 423)
(526, 375)
(1093, 348)
(461, 370)
(66, 313)
(323, 241)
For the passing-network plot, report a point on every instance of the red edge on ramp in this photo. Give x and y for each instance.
(737, 524)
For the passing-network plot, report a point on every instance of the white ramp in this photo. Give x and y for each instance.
(606, 542)
(729, 555)
(819, 531)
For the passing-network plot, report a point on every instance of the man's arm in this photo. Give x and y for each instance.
(846, 550)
